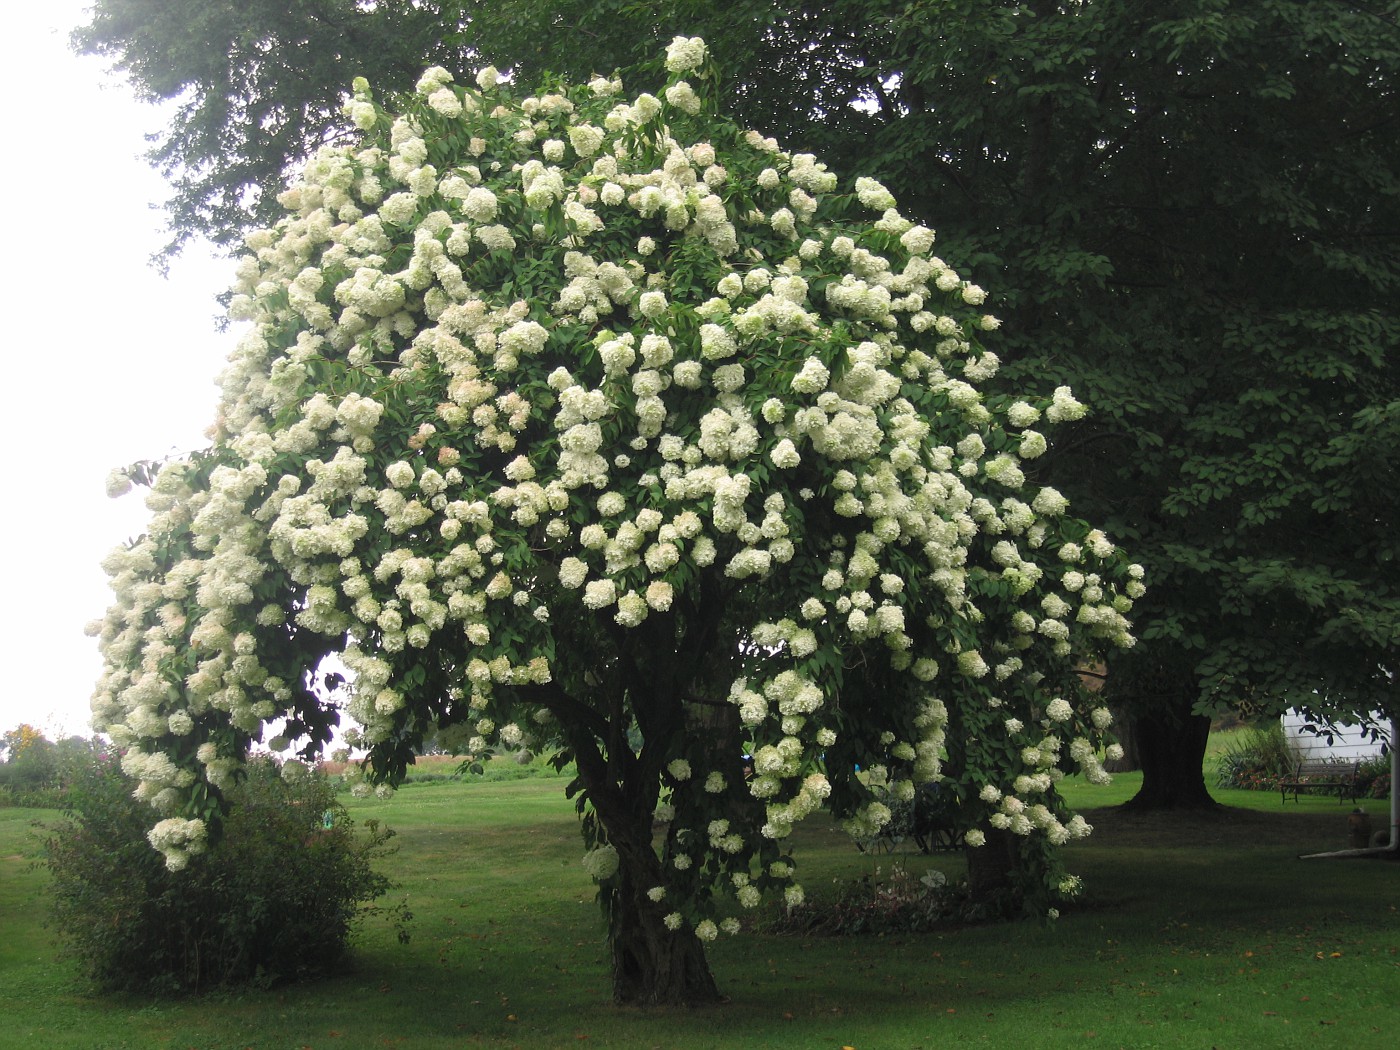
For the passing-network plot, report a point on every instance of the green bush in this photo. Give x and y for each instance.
(1259, 761)
(494, 767)
(276, 899)
(1373, 777)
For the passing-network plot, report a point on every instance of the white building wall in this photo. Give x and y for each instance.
(1348, 742)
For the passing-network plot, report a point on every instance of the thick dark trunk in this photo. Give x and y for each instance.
(990, 867)
(652, 965)
(1006, 875)
(1171, 746)
(1125, 730)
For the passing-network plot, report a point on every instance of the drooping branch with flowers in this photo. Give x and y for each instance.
(606, 424)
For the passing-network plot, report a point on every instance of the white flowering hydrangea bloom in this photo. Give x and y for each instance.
(561, 414)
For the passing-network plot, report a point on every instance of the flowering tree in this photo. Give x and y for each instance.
(597, 421)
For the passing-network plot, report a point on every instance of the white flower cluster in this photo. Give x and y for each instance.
(601, 863)
(179, 840)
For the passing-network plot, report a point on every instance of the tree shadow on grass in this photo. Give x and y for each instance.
(1226, 826)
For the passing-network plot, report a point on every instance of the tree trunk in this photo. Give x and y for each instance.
(1171, 746)
(991, 874)
(990, 867)
(651, 965)
(1125, 729)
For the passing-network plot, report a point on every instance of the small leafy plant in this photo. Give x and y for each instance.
(1259, 760)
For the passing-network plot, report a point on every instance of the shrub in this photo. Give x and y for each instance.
(1259, 761)
(1373, 777)
(276, 899)
(521, 767)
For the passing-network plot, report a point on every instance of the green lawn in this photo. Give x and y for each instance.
(1193, 933)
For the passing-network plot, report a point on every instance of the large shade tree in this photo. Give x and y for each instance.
(575, 418)
(1189, 208)
(1211, 193)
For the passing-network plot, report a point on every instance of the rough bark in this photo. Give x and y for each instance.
(651, 965)
(1171, 746)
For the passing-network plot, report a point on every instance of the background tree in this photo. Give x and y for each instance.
(28, 760)
(1187, 209)
(15, 741)
(567, 417)
(1211, 192)
(39, 768)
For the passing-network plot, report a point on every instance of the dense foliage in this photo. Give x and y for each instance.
(1189, 209)
(1265, 755)
(277, 899)
(1259, 759)
(576, 418)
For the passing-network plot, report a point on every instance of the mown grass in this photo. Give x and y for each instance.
(1194, 932)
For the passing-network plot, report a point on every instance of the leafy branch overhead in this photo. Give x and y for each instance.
(258, 86)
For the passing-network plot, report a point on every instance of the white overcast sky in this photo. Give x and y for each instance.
(106, 362)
